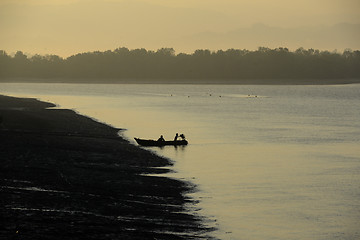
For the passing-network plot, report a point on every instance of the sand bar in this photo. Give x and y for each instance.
(66, 176)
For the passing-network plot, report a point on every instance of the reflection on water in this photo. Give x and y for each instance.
(271, 162)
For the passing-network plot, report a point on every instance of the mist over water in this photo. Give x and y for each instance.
(270, 162)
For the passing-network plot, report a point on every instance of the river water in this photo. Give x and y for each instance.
(270, 162)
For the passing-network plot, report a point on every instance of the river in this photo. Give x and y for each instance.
(269, 162)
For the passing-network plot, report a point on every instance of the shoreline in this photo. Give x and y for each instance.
(275, 81)
(66, 176)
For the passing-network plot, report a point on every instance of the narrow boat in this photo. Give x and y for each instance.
(151, 143)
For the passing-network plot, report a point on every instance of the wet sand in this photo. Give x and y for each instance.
(66, 176)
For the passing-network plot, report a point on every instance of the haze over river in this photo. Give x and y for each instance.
(270, 162)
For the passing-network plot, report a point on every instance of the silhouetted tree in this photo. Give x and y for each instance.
(122, 63)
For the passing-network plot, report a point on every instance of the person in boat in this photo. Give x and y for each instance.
(182, 136)
(176, 137)
(161, 139)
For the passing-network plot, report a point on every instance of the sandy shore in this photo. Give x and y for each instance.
(66, 176)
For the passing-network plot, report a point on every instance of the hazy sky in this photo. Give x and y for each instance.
(65, 27)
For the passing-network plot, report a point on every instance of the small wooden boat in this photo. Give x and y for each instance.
(151, 143)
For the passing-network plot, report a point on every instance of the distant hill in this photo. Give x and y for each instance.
(342, 36)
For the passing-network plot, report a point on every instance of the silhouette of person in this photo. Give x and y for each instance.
(182, 136)
(161, 139)
(176, 137)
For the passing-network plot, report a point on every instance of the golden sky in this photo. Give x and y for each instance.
(65, 27)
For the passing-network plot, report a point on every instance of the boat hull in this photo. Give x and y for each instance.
(153, 143)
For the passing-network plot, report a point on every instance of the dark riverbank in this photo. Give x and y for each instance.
(66, 176)
(241, 66)
(186, 81)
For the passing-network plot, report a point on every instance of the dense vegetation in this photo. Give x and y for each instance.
(122, 63)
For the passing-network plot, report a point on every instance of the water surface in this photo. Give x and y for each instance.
(270, 162)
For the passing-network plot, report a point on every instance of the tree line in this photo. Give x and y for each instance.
(122, 63)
